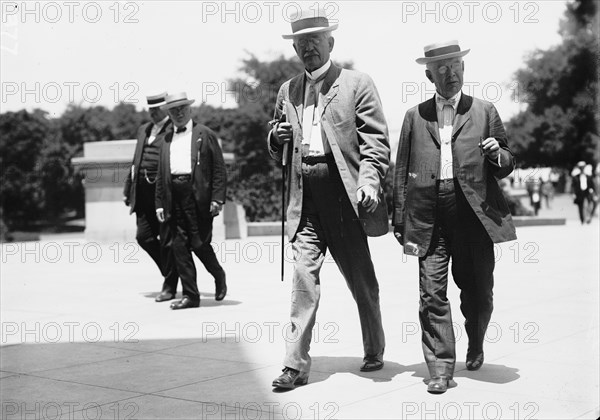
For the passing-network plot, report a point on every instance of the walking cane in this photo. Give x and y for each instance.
(283, 167)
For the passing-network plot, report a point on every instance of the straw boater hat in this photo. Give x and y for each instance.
(441, 51)
(177, 99)
(156, 100)
(310, 22)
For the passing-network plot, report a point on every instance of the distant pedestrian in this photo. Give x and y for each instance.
(547, 191)
(584, 191)
(534, 190)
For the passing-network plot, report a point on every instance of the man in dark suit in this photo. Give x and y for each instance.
(448, 206)
(584, 191)
(336, 142)
(190, 192)
(139, 193)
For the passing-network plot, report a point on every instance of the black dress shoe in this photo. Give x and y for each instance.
(220, 288)
(290, 378)
(164, 296)
(185, 303)
(474, 362)
(371, 363)
(440, 384)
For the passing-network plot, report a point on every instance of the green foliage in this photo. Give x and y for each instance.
(22, 136)
(37, 181)
(560, 86)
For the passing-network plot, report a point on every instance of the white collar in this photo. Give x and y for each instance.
(318, 72)
(455, 98)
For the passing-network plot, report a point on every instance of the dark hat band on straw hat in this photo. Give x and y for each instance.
(311, 22)
(156, 101)
(442, 50)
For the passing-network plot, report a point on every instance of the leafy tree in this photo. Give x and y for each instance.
(79, 125)
(125, 120)
(22, 137)
(560, 86)
(37, 182)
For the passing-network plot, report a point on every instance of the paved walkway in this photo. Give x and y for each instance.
(83, 338)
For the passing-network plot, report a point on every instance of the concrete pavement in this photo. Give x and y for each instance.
(83, 338)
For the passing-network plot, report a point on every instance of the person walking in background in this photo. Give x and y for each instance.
(448, 206)
(547, 191)
(596, 178)
(593, 194)
(584, 192)
(534, 189)
(190, 192)
(139, 192)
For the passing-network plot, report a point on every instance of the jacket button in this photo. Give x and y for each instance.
(295, 150)
(432, 176)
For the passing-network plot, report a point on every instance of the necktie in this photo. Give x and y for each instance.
(441, 100)
(448, 112)
(312, 136)
(180, 129)
(447, 109)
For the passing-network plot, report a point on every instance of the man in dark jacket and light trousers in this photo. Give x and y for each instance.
(448, 206)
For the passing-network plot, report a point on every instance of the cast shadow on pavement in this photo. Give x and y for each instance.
(489, 372)
(206, 299)
(325, 366)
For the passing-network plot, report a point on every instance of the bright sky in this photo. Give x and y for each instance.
(100, 53)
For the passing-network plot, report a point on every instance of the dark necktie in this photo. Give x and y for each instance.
(180, 129)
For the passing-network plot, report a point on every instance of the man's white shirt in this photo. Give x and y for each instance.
(311, 118)
(445, 123)
(181, 151)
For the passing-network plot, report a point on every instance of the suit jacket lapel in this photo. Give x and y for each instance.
(462, 114)
(195, 146)
(165, 155)
(297, 96)
(141, 143)
(329, 89)
(428, 112)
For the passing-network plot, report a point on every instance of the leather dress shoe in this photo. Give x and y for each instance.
(440, 384)
(220, 289)
(185, 303)
(164, 296)
(474, 362)
(371, 363)
(290, 378)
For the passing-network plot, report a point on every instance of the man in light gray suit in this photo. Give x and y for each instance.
(336, 142)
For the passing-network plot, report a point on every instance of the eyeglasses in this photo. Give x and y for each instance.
(303, 42)
(454, 67)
